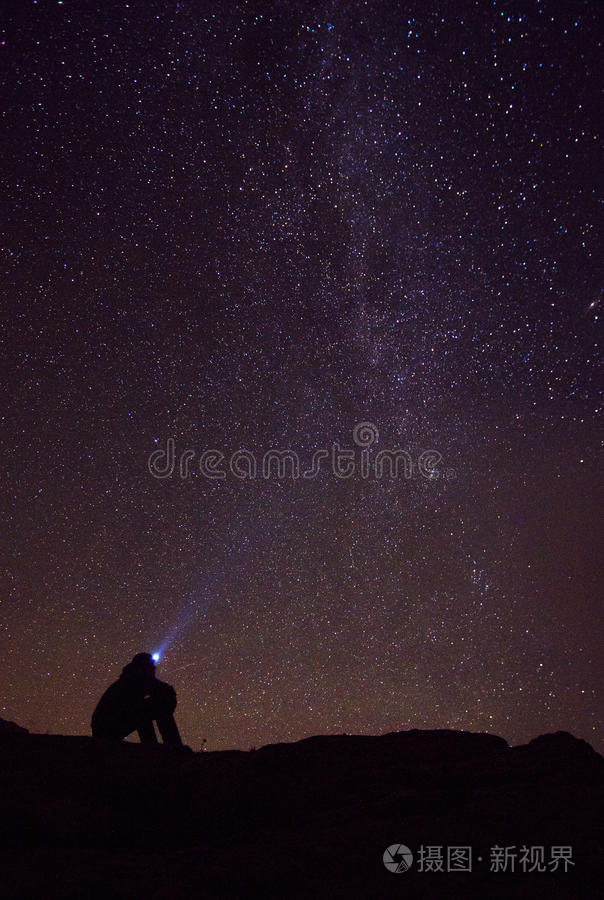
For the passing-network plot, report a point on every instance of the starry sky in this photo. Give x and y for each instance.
(255, 226)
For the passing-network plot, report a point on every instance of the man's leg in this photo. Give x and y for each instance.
(146, 732)
(164, 704)
(168, 729)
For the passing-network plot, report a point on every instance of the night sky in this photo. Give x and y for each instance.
(256, 226)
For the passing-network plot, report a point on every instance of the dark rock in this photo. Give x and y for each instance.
(86, 818)
(10, 728)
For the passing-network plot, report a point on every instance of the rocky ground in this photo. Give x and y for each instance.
(86, 818)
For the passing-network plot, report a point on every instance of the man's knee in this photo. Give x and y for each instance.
(164, 698)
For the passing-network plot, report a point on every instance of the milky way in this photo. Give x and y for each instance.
(254, 227)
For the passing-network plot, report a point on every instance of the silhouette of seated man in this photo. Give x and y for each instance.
(134, 702)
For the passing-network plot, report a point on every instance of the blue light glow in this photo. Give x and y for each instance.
(156, 657)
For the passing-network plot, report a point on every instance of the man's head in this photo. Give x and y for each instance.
(144, 663)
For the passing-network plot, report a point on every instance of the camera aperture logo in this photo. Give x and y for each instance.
(398, 858)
